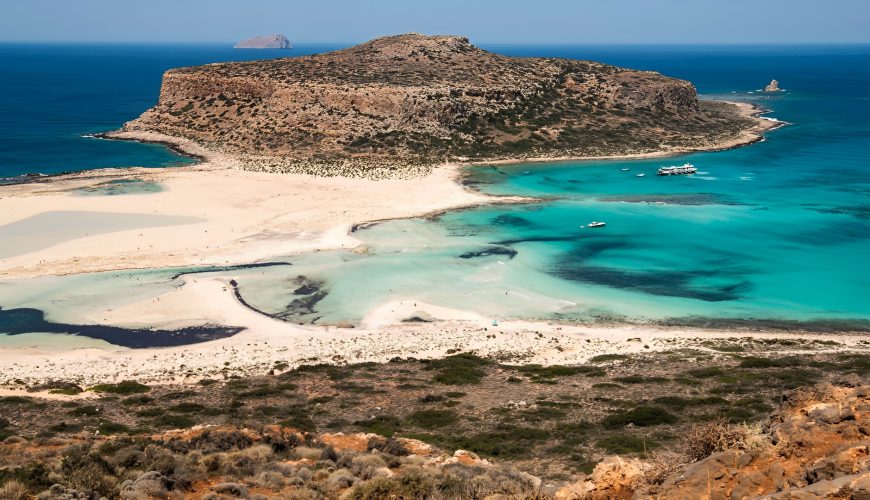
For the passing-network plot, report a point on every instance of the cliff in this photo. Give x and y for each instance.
(265, 42)
(411, 99)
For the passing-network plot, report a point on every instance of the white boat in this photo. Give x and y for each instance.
(624, 170)
(684, 169)
(596, 224)
(640, 175)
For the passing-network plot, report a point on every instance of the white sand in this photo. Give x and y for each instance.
(245, 216)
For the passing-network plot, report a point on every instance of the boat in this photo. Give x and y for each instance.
(684, 169)
(640, 175)
(596, 224)
(624, 170)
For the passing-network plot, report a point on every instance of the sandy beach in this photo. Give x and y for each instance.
(225, 215)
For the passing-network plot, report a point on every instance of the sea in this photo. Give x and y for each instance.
(771, 235)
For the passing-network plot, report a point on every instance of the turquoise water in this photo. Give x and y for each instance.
(776, 231)
(779, 230)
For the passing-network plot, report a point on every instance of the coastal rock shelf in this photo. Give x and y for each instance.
(397, 105)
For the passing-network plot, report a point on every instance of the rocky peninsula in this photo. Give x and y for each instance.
(397, 105)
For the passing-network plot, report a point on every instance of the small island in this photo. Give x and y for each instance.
(398, 105)
(773, 86)
(265, 42)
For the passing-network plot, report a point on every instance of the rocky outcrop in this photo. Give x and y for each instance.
(773, 86)
(414, 99)
(265, 42)
(817, 443)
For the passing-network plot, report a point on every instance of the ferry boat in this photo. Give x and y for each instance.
(685, 169)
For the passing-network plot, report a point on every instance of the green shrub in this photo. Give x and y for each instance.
(107, 428)
(124, 387)
(384, 425)
(87, 411)
(432, 419)
(604, 358)
(459, 369)
(707, 372)
(623, 444)
(641, 416)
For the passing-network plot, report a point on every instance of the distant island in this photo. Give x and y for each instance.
(401, 104)
(265, 42)
(773, 86)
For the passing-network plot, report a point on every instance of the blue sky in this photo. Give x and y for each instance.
(504, 21)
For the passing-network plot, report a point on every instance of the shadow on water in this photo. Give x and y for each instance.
(26, 320)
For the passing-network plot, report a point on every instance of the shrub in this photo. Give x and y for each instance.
(641, 416)
(109, 428)
(710, 371)
(87, 411)
(604, 358)
(13, 490)
(622, 444)
(432, 419)
(414, 483)
(384, 425)
(124, 387)
(702, 440)
(460, 369)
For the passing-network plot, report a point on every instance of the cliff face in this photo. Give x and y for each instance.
(414, 99)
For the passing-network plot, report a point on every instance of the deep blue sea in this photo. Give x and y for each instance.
(779, 230)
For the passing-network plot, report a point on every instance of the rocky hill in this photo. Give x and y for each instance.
(416, 100)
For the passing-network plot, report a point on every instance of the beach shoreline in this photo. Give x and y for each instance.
(251, 216)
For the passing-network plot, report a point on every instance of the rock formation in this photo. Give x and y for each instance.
(817, 445)
(420, 100)
(773, 86)
(265, 42)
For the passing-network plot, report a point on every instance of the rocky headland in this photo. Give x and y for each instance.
(397, 105)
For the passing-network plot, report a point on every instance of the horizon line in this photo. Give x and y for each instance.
(324, 42)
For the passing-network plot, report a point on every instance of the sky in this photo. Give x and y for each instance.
(502, 21)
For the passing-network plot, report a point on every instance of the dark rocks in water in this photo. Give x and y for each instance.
(306, 289)
(213, 269)
(510, 252)
(511, 221)
(27, 320)
(663, 283)
(689, 199)
(303, 305)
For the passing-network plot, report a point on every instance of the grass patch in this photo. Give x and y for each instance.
(85, 411)
(110, 428)
(637, 379)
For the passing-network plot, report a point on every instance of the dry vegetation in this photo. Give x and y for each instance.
(275, 435)
(397, 105)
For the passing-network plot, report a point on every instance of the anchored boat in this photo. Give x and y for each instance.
(684, 169)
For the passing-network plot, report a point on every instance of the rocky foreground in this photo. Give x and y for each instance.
(396, 105)
(688, 424)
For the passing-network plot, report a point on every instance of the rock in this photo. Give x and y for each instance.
(773, 86)
(233, 489)
(466, 458)
(265, 42)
